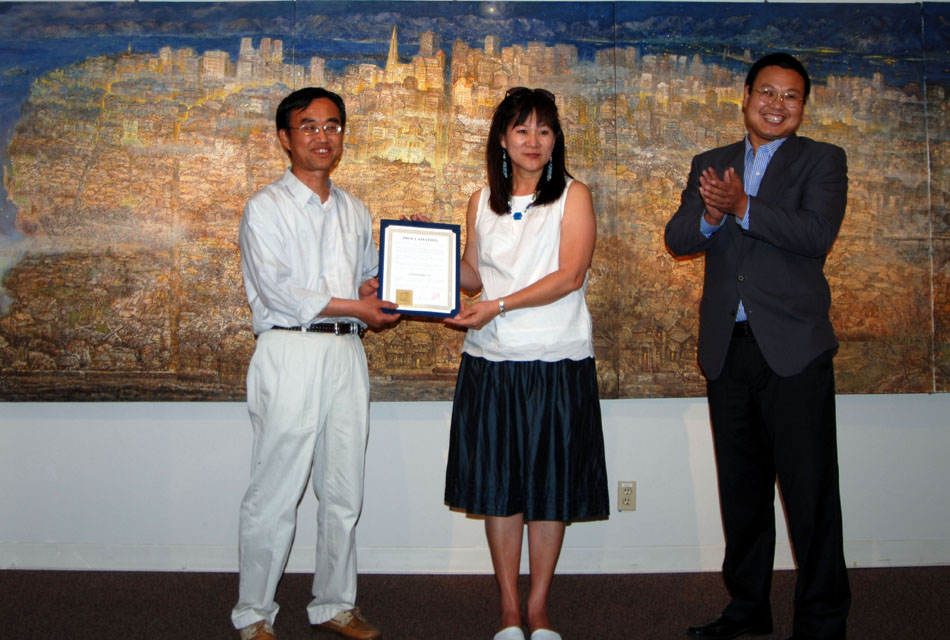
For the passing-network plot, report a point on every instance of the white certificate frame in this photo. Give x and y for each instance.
(419, 267)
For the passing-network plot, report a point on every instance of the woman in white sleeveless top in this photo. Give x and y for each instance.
(526, 443)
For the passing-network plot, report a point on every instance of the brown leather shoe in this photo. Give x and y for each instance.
(260, 630)
(351, 624)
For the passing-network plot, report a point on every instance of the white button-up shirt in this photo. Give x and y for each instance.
(297, 252)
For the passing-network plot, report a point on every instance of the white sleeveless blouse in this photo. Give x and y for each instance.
(511, 255)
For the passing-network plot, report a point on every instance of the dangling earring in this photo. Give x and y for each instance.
(504, 163)
(550, 168)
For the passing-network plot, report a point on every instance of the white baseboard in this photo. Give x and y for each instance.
(94, 557)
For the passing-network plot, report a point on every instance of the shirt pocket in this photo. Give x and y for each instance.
(345, 265)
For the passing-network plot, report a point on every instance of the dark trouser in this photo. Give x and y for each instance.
(765, 425)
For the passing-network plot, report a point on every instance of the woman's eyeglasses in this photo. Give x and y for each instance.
(517, 91)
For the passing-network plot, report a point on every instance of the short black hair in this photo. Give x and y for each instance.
(784, 60)
(301, 98)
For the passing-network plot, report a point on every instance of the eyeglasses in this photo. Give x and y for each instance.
(769, 95)
(311, 129)
(517, 91)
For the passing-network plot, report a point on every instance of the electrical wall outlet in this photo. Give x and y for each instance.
(627, 495)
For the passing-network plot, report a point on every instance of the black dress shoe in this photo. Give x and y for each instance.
(722, 628)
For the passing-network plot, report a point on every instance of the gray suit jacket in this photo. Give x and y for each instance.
(777, 266)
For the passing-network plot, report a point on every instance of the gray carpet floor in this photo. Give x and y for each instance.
(893, 604)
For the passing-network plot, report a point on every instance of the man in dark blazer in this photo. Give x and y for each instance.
(765, 211)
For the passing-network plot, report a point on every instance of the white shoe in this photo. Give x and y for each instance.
(545, 634)
(510, 633)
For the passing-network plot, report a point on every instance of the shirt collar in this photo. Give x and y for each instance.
(769, 148)
(300, 192)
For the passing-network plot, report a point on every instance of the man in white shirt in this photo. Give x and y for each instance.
(309, 267)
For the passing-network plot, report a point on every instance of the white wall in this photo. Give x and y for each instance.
(157, 486)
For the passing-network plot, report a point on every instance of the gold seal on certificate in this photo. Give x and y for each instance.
(419, 267)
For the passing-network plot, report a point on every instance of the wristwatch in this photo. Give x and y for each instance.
(501, 307)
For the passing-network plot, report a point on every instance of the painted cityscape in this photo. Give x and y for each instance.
(133, 133)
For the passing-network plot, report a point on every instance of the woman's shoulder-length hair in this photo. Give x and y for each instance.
(514, 110)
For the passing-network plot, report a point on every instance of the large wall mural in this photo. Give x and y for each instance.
(133, 133)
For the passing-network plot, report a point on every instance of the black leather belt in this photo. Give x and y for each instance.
(336, 328)
(742, 330)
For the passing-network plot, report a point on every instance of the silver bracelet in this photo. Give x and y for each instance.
(501, 307)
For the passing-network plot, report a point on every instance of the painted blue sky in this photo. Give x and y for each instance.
(860, 29)
(854, 39)
(37, 36)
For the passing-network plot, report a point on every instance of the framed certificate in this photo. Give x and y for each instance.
(419, 267)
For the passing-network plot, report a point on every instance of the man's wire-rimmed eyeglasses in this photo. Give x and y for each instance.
(769, 95)
(311, 129)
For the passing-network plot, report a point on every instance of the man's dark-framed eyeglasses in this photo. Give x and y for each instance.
(769, 95)
(517, 91)
(311, 129)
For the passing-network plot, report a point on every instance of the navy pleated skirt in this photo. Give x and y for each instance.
(527, 438)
